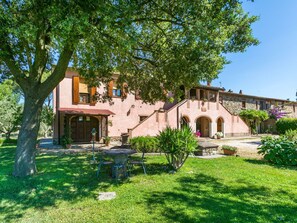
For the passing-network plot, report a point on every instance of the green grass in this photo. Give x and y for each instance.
(219, 190)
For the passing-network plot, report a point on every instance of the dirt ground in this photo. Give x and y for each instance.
(247, 147)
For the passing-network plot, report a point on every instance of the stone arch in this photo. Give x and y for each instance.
(203, 124)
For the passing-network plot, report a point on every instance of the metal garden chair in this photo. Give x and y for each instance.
(132, 162)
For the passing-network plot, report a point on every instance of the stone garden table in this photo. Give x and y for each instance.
(206, 149)
(120, 157)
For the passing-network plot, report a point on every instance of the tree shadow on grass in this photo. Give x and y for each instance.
(151, 169)
(60, 178)
(264, 162)
(202, 198)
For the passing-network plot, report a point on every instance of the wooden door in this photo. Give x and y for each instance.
(203, 126)
(219, 125)
(81, 127)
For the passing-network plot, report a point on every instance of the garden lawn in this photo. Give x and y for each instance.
(227, 189)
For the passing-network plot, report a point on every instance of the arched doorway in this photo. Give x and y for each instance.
(203, 125)
(81, 127)
(184, 121)
(220, 127)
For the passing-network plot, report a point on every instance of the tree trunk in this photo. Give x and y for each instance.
(7, 135)
(26, 147)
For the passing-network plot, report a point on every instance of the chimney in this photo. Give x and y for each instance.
(209, 83)
(240, 92)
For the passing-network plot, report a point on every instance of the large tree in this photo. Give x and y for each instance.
(155, 45)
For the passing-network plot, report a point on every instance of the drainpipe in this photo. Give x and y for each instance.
(177, 117)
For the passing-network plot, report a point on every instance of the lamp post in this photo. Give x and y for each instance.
(93, 138)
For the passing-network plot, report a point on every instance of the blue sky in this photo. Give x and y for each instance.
(269, 69)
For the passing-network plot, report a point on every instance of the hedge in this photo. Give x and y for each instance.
(147, 144)
(284, 124)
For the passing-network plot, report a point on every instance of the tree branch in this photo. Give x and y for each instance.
(145, 59)
(59, 71)
(41, 56)
(8, 58)
(28, 54)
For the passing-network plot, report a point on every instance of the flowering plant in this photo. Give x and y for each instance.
(276, 113)
(219, 134)
(197, 133)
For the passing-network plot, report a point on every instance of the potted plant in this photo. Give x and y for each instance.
(219, 135)
(229, 150)
(66, 141)
(107, 140)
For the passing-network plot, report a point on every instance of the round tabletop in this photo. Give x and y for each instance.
(119, 152)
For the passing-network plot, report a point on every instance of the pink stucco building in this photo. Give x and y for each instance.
(205, 108)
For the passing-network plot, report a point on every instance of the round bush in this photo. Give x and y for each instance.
(279, 150)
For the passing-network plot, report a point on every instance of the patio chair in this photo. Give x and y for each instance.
(102, 162)
(132, 162)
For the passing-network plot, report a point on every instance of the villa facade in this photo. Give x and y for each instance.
(205, 108)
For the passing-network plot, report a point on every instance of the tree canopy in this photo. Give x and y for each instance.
(154, 45)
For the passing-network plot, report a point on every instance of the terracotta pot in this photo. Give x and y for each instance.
(229, 152)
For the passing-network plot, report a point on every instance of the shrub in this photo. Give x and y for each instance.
(177, 144)
(284, 124)
(9, 142)
(231, 148)
(147, 144)
(65, 140)
(291, 135)
(279, 150)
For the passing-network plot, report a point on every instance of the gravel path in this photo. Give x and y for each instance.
(247, 147)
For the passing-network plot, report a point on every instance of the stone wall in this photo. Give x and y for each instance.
(234, 103)
(291, 110)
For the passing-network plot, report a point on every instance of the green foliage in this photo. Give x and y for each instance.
(147, 144)
(291, 135)
(177, 144)
(10, 109)
(279, 150)
(231, 148)
(66, 140)
(284, 124)
(47, 117)
(176, 42)
(107, 140)
(253, 118)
